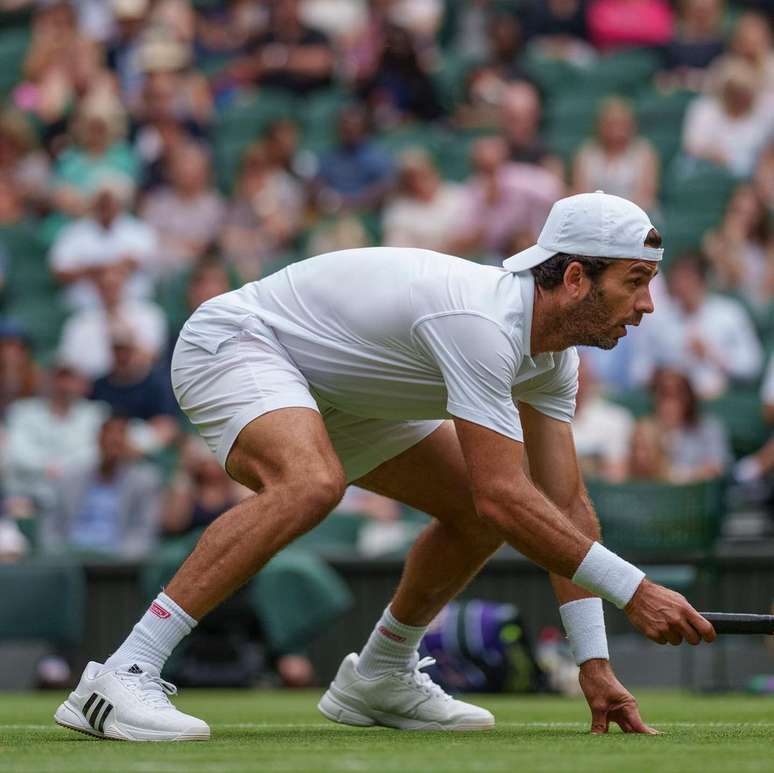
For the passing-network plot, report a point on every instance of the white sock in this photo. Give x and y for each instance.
(392, 646)
(152, 640)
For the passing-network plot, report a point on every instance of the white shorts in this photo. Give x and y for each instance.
(251, 374)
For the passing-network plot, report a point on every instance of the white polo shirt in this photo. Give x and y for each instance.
(400, 333)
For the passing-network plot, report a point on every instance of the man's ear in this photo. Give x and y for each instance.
(576, 283)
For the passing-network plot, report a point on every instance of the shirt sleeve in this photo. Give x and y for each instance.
(553, 393)
(478, 363)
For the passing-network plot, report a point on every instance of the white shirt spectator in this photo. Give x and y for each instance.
(42, 445)
(722, 327)
(602, 431)
(87, 244)
(431, 225)
(709, 129)
(85, 342)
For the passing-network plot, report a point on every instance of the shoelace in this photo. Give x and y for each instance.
(153, 690)
(423, 681)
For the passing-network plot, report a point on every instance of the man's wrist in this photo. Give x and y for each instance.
(584, 624)
(605, 574)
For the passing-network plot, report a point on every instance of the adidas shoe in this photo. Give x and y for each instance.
(127, 705)
(407, 700)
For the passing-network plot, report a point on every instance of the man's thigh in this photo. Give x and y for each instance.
(285, 446)
(430, 476)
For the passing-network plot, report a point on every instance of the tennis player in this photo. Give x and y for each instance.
(444, 384)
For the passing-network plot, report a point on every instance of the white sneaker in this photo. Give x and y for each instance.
(407, 700)
(127, 705)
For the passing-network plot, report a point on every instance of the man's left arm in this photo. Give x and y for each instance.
(554, 469)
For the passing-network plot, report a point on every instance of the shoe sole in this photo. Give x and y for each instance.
(335, 708)
(69, 717)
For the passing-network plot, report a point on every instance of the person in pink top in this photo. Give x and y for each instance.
(616, 24)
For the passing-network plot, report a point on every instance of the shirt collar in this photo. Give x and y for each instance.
(527, 288)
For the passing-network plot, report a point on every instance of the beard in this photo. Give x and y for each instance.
(588, 323)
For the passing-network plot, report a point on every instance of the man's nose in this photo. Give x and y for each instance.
(645, 303)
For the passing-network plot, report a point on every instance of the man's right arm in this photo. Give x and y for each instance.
(536, 528)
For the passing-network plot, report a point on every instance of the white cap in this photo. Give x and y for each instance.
(593, 224)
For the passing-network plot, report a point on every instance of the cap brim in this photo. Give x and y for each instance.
(528, 258)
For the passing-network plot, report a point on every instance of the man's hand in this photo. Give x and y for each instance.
(665, 616)
(609, 700)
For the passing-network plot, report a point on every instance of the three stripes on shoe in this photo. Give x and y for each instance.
(96, 711)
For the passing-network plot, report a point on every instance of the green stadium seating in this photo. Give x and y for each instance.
(13, 48)
(294, 595)
(42, 599)
(742, 413)
(660, 118)
(622, 72)
(645, 517)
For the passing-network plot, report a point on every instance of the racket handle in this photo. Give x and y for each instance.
(737, 623)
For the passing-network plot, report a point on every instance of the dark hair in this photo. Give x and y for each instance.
(550, 273)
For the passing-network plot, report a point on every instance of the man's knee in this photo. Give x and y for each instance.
(320, 488)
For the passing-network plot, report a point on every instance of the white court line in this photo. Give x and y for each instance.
(332, 726)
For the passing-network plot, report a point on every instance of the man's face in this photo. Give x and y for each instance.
(619, 297)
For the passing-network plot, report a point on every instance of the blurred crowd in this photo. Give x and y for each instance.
(156, 153)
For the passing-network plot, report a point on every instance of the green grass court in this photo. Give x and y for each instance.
(282, 732)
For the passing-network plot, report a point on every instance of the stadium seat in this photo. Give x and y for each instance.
(623, 72)
(646, 517)
(52, 605)
(660, 118)
(13, 48)
(742, 412)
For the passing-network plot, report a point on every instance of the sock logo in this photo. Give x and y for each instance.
(391, 634)
(159, 611)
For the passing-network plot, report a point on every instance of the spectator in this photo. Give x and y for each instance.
(12, 213)
(199, 491)
(99, 150)
(647, 458)
(697, 446)
(19, 375)
(357, 173)
(601, 429)
(737, 249)
(123, 48)
(107, 235)
(617, 160)
(289, 55)
(51, 437)
(264, 216)
(616, 24)
(208, 278)
(557, 29)
(162, 126)
(400, 88)
(506, 197)
(764, 177)
(21, 160)
(111, 508)
(139, 390)
(85, 341)
(752, 42)
(166, 67)
(61, 65)
(760, 465)
(697, 42)
(520, 117)
(487, 81)
(280, 143)
(187, 214)
(709, 334)
(426, 212)
(732, 125)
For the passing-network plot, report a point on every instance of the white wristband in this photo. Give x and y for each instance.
(605, 574)
(584, 623)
